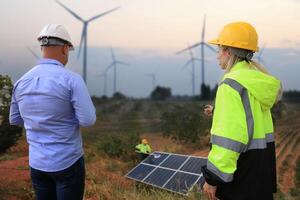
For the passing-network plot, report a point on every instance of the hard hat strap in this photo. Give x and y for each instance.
(242, 53)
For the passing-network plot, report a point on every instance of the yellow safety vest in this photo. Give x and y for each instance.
(242, 119)
(143, 148)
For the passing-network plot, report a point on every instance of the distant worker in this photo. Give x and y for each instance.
(143, 149)
(53, 103)
(241, 164)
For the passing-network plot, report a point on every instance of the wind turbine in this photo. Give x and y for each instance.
(192, 61)
(153, 76)
(202, 44)
(114, 65)
(104, 75)
(84, 34)
(33, 53)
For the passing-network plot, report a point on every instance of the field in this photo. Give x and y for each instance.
(105, 174)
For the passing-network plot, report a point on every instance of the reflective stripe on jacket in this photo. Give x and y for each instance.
(242, 158)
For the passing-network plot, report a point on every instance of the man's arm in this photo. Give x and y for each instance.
(14, 113)
(82, 103)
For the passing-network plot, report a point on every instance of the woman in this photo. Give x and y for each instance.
(241, 162)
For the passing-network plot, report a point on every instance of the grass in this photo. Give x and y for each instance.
(105, 175)
(7, 156)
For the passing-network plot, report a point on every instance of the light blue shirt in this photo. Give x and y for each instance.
(52, 103)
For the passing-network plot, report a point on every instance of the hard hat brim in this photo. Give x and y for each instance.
(214, 42)
(218, 42)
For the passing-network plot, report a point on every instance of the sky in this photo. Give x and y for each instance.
(146, 34)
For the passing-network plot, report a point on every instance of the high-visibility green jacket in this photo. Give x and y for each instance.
(143, 148)
(241, 161)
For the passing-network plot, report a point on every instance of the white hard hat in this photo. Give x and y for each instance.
(55, 31)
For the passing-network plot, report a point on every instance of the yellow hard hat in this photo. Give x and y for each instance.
(239, 35)
(144, 141)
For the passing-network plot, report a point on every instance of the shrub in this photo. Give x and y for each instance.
(184, 124)
(119, 145)
(8, 134)
(161, 93)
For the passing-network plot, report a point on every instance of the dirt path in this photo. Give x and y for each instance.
(15, 179)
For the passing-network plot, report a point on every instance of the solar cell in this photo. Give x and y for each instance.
(181, 182)
(140, 172)
(194, 165)
(159, 176)
(174, 161)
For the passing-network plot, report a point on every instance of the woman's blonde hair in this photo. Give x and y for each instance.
(233, 59)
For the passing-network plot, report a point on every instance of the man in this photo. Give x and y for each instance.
(53, 103)
(143, 149)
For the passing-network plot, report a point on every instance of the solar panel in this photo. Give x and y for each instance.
(181, 182)
(173, 172)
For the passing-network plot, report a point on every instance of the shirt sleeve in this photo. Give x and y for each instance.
(82, 103)
(14, 113)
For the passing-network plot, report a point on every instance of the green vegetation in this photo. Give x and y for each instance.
(8, 134)
(184, 124)
(118, 145)
(161, 93)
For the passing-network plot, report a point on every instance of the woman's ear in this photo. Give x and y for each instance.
(228, 53)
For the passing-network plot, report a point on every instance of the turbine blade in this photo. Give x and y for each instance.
(122, 63)
(108, 67)
(190, 47)
(33, 53)
(112, 54)
(70, 11)
(81, 40)
(211, 48)
(102, 14)
(186, 64)
(203, 28)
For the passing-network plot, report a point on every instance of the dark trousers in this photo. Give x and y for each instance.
(67, 184)
(142, 156)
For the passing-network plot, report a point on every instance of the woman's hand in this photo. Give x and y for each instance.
(210, 191)
(208, 110)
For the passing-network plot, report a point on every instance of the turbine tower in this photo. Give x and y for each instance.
(84, 34)
(153, 77)
(192, 62)
(104, 76)
(114, 65)
(202, 44)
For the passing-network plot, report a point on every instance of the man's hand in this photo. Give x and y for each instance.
(210, 191)
(208, 110)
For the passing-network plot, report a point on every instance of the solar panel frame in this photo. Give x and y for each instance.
(178, 170)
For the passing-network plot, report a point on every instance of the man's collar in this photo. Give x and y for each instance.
(50, 61)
